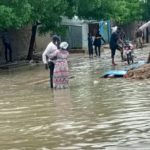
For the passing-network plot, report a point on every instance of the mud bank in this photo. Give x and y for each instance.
(141, 73)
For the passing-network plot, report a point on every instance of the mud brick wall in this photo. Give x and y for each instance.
(20, 40)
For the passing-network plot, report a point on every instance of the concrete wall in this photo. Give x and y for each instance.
(131, 28)
(42, 41)
(20, 40)
(85, 30)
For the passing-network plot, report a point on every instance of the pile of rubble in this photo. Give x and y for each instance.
(140, 73)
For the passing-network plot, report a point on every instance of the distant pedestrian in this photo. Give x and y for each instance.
(51, 47)
(139, 38)
(7, 45)
(90, 45)
(97, 43)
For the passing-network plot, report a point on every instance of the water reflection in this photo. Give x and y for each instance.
(62, 102)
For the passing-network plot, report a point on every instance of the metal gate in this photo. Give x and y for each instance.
(74, 37)
(104, 28)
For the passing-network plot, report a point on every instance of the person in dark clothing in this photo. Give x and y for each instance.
(97, 43)
(115, 37)
(7, 45)
(90, 45)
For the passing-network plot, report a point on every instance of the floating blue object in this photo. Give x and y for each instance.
(122, 73)
(115, 73)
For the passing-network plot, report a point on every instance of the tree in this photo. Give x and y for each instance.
(146, 9)
(47, 14)
(120, 11)
(43, 13)
(146, 17)
(127, 11)
(14, 14)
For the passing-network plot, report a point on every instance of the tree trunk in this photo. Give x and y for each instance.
(32, 41)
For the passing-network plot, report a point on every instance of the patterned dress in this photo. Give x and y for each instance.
(61, 71)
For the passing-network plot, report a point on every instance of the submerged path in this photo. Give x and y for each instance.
(93, 114)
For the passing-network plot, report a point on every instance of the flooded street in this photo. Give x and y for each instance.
(109, 114)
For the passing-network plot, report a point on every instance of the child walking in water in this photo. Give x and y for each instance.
(61, 71)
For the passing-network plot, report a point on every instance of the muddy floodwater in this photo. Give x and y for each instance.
(93, 114)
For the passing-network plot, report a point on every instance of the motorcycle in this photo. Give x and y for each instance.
(128, 52)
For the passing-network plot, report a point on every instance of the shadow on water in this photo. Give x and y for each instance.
(106, 114)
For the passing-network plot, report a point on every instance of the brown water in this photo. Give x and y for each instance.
(111, 114)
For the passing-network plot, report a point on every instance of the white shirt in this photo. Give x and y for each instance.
(51, 47)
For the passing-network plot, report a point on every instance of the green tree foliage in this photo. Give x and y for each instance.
(14, 13)
(146, 9)
(48, 13)
(95, 9)
(121, 11)
(17, 13)
(127, 11)
(43, 13)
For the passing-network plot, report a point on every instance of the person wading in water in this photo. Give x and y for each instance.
(51, 47)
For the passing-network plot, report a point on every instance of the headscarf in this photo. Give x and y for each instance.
(64, 45)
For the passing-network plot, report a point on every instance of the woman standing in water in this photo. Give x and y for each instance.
(61, 71)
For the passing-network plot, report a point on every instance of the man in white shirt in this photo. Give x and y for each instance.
(51, 47)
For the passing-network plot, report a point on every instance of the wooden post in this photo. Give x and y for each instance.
(147, 35)
(148, 60)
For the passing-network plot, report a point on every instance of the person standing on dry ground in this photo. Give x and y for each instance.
(97, 43)
(7, 45)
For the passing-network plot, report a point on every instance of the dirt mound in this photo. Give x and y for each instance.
(141, 73)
